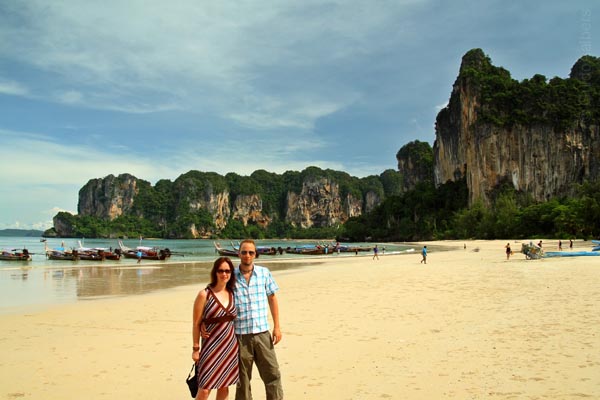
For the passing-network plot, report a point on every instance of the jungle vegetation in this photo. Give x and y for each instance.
(422, 213)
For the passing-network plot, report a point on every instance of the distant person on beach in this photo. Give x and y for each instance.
(570, 244)
(559, 245)
(255, 294)
(375, 252)
(217, 357)
(424, 254)
(508, 251)
(139, 256)
(540, 244)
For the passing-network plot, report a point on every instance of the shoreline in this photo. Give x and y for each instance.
(33, 287)
(468, 324)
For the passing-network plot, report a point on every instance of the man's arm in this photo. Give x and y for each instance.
(274, 306)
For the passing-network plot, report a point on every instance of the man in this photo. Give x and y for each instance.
(255, 288)
(424, 254)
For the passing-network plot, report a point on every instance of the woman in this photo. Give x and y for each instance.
(508, 250)
(215, 308)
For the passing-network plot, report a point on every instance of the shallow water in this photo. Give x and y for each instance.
(43, 282)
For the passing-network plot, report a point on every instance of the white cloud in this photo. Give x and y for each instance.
(43, 160)
(70, 97)
(142, 56)
(12, 88)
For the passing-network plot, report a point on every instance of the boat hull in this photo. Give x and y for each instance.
(23, 257)
(571, 253)
(146, 256)
(62, 257)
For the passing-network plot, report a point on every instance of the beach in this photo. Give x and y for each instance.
(469, 324)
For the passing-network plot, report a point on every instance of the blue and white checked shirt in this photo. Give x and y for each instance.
(252, 300)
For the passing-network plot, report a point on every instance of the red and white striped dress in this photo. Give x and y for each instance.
(218, 364)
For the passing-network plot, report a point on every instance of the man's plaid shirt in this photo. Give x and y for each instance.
(252, 300)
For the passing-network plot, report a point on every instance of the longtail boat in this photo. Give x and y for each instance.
(225, 252)
(143, 252)
(15, 255)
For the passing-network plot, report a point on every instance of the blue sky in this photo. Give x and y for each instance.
(157, 88)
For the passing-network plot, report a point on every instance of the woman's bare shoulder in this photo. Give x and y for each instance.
(202, 294)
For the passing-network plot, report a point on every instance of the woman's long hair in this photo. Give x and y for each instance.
(213, 273)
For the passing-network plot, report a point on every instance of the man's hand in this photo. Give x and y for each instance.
(276, 335)
(203, 331)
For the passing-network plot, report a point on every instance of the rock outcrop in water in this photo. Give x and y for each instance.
(109, 197)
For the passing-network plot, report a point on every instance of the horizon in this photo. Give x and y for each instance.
(157, 90)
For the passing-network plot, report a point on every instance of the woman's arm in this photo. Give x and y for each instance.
(196, 319)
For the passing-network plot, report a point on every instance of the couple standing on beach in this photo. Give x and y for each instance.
(231, 317)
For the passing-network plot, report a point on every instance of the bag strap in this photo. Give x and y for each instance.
(193, 370)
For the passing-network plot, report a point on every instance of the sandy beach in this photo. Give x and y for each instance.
(467, 325)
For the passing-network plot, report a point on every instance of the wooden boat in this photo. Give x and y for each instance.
(60, 253)
(97, 253)
(342, 248)
(326, 248)
(353, 249)
(314, 252)
(262, 250)
(15, 255)
(143, 252)
(571, 253)
(55, 254)
(225, 252)
(594, 252)
(308, 250)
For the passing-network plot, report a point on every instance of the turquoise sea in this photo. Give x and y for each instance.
(41, 282)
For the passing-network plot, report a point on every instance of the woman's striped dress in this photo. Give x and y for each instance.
(218, 364)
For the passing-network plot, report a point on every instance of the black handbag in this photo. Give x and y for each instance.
(192, 380)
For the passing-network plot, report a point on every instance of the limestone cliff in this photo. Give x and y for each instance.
(415, 163)
(372, 200)
(249, 209)
(538, 155)
(198, 193)
(200, 204)
(62, 226)
(316, 205)
(108, 197)
(319, 204)
(217, 204)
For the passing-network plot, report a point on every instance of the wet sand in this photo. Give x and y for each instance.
(26, 289)
(468, 324)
